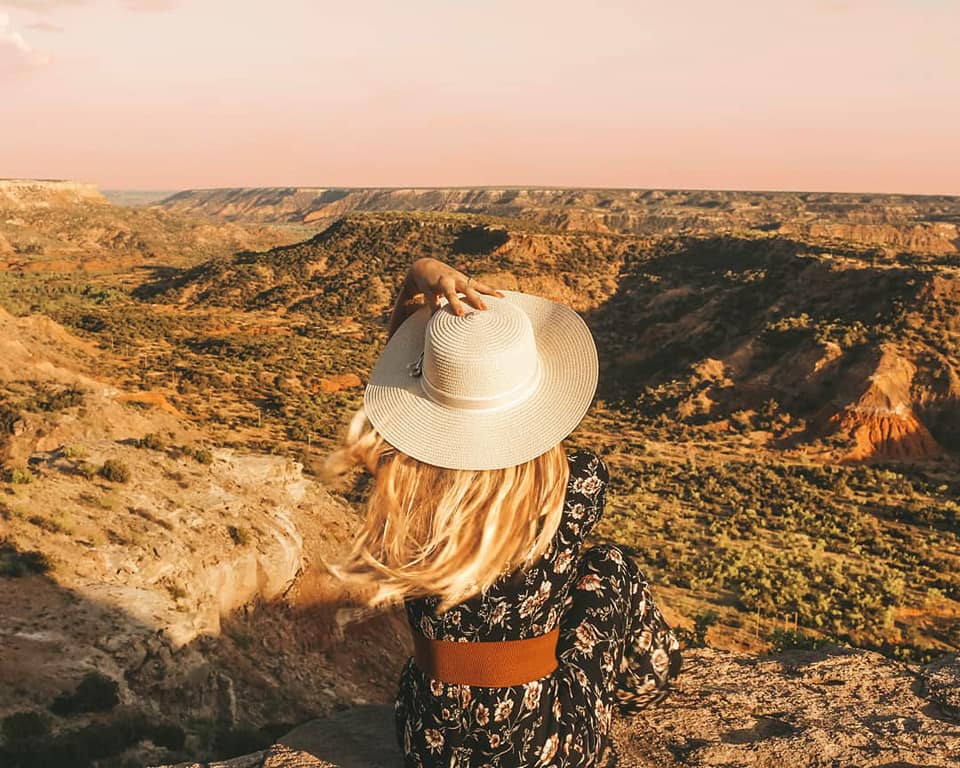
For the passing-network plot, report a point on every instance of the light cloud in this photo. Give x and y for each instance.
(150, 6)
(836, 5)
(41, 6)
(44, 26)
(17, 57)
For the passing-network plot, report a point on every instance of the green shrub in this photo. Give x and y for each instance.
(57, 401)
(18, 476)
(697, 637)
(202, 455)
(61, 752)
(8, 417)
(25, 727)
(101, 740)
(95, 693)
(153, 441)
(88, 469)
(742, 420)
(15, 563)
(115, 471)
(789, 639)
(30, 745)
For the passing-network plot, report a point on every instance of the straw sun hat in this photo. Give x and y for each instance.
(489, 389)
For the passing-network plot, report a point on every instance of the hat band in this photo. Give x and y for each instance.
(512, 396)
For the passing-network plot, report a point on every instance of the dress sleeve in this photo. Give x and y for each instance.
(586, 493)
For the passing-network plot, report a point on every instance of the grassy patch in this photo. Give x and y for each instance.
(18, 476)
(50, 524)
(152, 441)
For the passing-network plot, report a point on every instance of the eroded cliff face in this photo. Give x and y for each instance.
(881, 421)
(146, 565)
(888, 222)
(797, 709)
(934, 238)
(46, 193)
(149, 558)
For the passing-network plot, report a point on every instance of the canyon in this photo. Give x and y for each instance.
(779, 406)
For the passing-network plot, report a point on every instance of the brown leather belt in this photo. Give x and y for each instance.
(489, 664)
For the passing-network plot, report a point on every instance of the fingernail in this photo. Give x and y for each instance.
(482, 305)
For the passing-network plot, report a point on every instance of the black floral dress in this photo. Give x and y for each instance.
(615, 650)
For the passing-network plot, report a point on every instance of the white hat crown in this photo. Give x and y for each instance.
(492, 388)
(482, 360)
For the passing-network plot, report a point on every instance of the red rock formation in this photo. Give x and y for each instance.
(880, 421)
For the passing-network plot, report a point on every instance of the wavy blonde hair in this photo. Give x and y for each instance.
(444, 532)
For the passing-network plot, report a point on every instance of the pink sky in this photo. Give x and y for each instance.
(845, 95)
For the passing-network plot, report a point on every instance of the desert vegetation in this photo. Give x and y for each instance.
(38, 738)
(779, 405)
(257, 345)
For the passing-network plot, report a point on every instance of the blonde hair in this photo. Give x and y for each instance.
(445, 532)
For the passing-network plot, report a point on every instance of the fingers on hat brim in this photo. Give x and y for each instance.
(474, 299)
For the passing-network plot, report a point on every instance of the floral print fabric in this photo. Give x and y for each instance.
(615, 650)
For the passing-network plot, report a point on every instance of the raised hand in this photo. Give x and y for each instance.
(436, 280)
(428, 281)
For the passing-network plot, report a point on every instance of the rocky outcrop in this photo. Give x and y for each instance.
(146, 561)
(881, 421)
(798, 709)
(942, 681)
(44, 193)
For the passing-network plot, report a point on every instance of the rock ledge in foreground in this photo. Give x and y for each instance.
(833, 708)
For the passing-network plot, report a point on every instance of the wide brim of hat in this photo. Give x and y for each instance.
(476, 439)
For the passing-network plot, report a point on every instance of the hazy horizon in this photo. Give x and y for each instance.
(836, 96)
(526, 186)
(174, 190)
